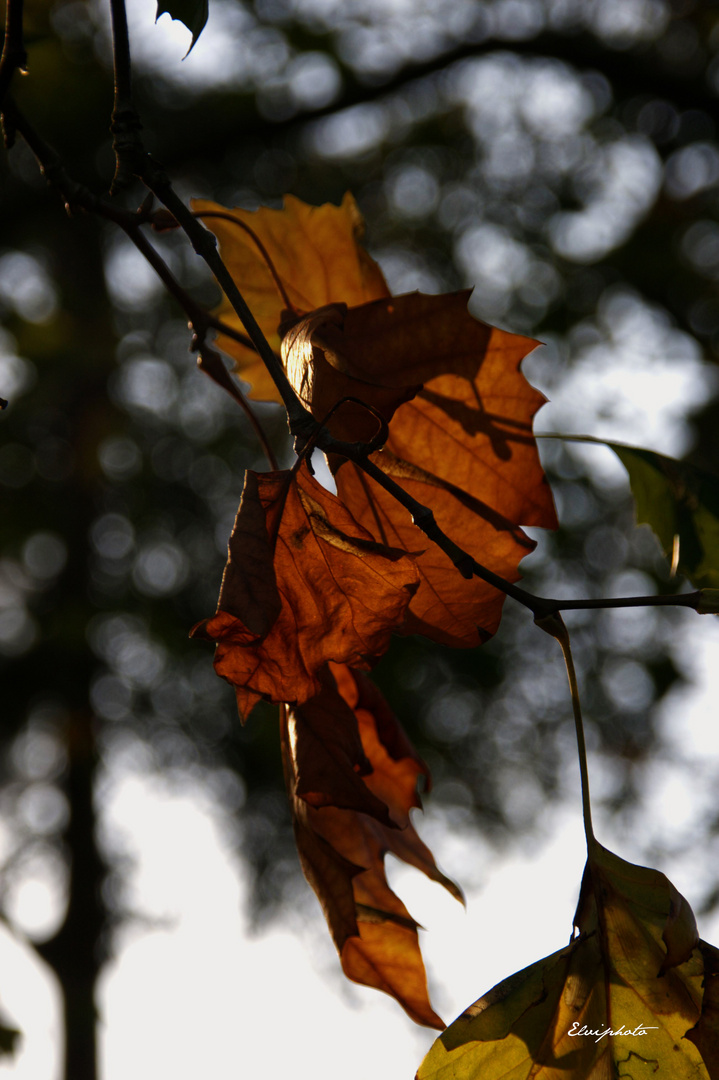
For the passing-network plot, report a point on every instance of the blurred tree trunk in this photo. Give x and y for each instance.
(76, 414)
(75, 953)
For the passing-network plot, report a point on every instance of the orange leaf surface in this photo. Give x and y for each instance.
(459, 410)
(329, 762)
(460, 440)
(316, 588)
(315, 252)
(342, 850)
(320, 382)
(464, 447)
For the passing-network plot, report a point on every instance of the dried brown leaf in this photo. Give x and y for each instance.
(341, 594)
(315, 252)
(464, 447)
(342, 851)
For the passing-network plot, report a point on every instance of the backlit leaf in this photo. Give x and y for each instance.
(315, 587)
(328, 759)
(617, 1001)
(342, 850)
(680, 503)
(705, 1033)
(310, 366)
(316, 254)
(464, 447)
(459, 410)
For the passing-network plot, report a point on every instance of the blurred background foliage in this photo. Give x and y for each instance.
(561, 156)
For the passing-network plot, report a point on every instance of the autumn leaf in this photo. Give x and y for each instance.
(342, 849)
(328, 759)
(464, 447)
(320, 383)
(304, 584)
(618, 1001)
(315, 253)
(705, 1033)
(459, 410)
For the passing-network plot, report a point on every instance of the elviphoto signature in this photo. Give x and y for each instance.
(640, 1029)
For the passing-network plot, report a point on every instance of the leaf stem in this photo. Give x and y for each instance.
(210, 363)
(540, 606)
(554, 626)
(593, 439)
(224, 215)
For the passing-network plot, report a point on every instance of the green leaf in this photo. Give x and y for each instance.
(193, 13)
(680, 503)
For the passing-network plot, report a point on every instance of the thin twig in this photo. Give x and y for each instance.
(130, 151)
(688, 600)
(79, 197)
(554, 626)
(224, 215)
(540, 606)
(209, 361)
(14, 56)
(125, 124)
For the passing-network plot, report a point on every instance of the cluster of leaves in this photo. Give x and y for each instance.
(344, 753)
(316, 583)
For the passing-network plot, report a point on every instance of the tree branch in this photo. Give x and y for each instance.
(301, 422)
(631, 72)
(540, 606)
(77, 196)
(14, 56)
(125, 124)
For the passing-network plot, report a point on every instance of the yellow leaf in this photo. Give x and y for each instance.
(618, 1001)
(315, 253)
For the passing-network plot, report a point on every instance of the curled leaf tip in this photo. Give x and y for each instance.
(192, 13)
